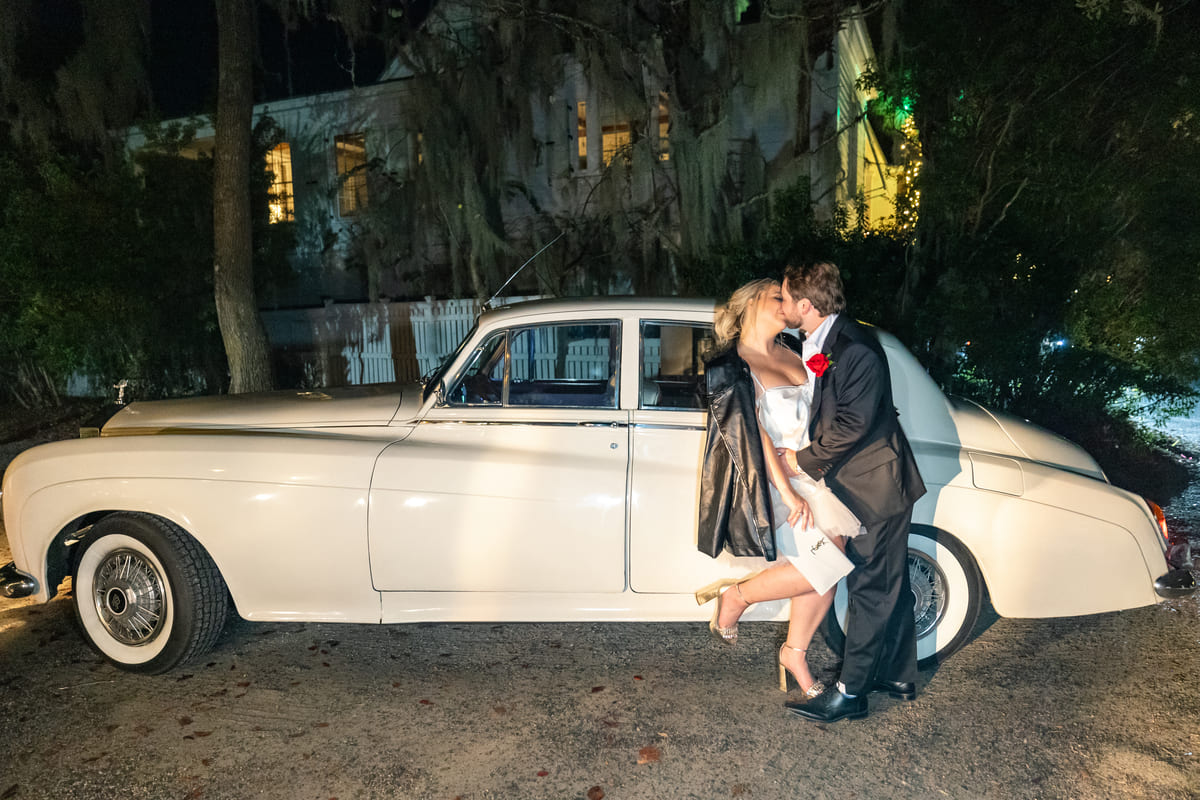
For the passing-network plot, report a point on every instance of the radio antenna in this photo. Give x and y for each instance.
(488, 304)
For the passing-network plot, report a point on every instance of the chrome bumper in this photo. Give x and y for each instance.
(14, 583)
(1176, 583)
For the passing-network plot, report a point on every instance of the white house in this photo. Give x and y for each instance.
(348, 155)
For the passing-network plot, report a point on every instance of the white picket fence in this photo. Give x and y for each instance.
(348, 344)
(585, 359)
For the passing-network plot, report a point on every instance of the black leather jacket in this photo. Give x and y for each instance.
(735, 495)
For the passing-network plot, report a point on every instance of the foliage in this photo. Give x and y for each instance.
(34, 388)
(1055, 264)
(1087, 396)
(106, 271)
(72, 73)
(100, 277)
(871, 259)
(496, 137)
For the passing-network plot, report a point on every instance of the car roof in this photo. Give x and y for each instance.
(619, 304)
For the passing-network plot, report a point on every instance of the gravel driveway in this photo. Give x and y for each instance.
(1094, 707)
(1102, 706)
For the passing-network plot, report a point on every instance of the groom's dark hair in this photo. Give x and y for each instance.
(820, 282)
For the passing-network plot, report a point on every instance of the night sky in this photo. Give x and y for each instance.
(183, 63)
(182, 68)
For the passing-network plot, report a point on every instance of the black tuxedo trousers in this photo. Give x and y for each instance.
(881, 637)
(860, 450)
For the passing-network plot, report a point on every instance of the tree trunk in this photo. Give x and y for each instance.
(233, 269)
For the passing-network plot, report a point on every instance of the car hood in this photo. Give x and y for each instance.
(986, 430)
(326, 408)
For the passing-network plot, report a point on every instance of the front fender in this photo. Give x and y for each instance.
(283, 517)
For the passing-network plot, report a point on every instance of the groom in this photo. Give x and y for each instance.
(858, 448)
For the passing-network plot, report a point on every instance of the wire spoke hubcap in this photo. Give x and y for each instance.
(129, 597)
(929, 591)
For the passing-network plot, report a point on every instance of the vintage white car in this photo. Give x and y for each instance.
(548, 471)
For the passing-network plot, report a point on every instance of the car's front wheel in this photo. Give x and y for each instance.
(147, 595)
(947, 592)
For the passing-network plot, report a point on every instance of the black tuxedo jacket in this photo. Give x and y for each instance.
(857, 444)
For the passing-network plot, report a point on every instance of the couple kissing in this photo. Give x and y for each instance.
(805, 459)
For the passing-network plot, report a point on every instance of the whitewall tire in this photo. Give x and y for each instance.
(147, 596)
(947, 595)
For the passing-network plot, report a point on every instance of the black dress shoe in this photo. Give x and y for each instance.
(901, 690)
(830, 706)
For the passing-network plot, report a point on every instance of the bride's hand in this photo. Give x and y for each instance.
(799, 513)
(787, 457)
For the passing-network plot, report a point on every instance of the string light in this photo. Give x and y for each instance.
(908, 197)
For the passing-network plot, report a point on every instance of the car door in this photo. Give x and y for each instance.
(667, 439)
(515, 481)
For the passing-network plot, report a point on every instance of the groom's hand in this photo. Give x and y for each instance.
(788, 457)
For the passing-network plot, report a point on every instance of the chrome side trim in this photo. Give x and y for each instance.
(662, 426)
(14, 583)
(1176, 583)
(526, 423)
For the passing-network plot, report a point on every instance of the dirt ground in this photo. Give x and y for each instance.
(1094, 707)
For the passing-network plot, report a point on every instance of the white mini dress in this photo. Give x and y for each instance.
(783, 413)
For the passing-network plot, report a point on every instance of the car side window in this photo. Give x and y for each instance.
(571, 365)
(672, 365)
(482, 382)
(567, 366)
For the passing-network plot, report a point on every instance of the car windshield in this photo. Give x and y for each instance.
(431, 380)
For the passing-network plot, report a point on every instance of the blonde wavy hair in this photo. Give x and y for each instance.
(730, 317)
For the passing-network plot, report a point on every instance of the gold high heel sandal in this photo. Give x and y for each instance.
(717, 590)
(811, 691)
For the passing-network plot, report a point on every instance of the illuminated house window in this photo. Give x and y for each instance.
(351, 151)
(581, 134)
(664, 125)
(614, 139)
(611, 134)
(282, 206)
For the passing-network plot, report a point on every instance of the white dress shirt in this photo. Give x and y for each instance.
(815, 342)
(812, 345)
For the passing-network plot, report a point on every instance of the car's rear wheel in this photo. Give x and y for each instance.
(947, 596)
(147, 595)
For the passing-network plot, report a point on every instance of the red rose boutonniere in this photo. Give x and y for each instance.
(818, 364)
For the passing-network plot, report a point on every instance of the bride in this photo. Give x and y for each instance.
(759, 393)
